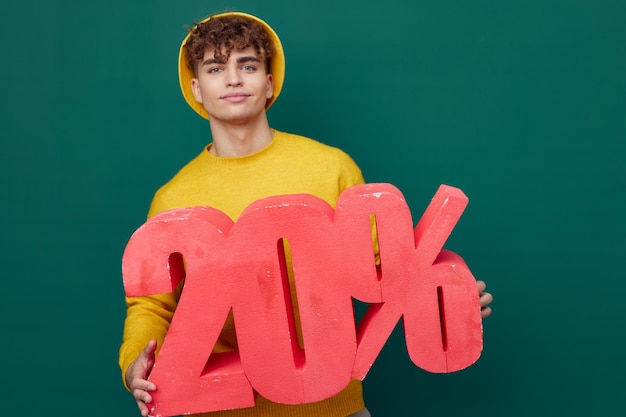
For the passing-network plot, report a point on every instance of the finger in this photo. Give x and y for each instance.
(149, 364)
(152, 344)
(142, 385)
(141, 395)
(485, 312)
(143, 408)
(150, 348)
(481, 286)
(485, 299)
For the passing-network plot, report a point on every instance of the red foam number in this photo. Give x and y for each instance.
(281, 364)
(187, 381)
(288, 269)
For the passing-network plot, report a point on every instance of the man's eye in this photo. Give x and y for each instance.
(214, 70)
(249, 68)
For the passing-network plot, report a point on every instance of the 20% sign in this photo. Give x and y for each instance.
(365, 249)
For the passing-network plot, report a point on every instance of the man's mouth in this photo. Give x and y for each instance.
(235, 97)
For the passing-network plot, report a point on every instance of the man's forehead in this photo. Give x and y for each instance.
(248, 51)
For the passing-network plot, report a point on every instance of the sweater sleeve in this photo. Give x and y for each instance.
(350, 172)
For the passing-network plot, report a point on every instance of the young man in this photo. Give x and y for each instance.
(231, 69)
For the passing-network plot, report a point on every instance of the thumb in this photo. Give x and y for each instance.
(148, 353)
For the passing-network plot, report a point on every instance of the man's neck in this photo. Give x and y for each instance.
(232, 140)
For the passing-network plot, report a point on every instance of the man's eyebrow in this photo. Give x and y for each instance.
(212, 61)
(249, 58)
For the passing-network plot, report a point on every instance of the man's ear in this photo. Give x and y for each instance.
(270, 86)
(195, 88)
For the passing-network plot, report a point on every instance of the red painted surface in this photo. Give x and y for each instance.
(298, 341)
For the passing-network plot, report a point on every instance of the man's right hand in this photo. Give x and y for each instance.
(137, 377)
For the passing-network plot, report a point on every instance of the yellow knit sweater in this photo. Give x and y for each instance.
(290, 164)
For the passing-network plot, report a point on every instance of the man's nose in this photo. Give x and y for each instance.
(233, 78)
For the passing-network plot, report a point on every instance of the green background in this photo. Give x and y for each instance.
(521, 104)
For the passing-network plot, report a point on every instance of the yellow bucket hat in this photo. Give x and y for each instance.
(277, 66)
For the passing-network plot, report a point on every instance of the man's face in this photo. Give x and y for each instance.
(234, 91)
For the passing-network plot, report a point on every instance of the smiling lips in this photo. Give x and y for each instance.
(235, 97)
